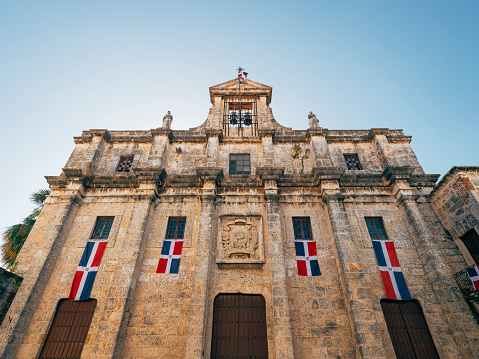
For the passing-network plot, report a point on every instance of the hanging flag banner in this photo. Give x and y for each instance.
(306, 258)
(86, 271)
(393, 279)
(474, 276)
(170, 257)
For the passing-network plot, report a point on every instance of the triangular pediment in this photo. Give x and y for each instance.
(248, 87)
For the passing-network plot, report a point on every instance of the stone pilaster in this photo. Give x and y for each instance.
(456, 312)
(97, 145)
(319, 147)
(37, 273)
(378, 136)
(159, 147)
(195, 343)
(115, 316)
(282, 324)
(212, 150)
(353, 282)
(267, 145)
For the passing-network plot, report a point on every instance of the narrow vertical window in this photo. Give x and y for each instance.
(102, 227)
(352, 161)
(376, 228)
(302, 228)
(240, 164)
(125, 164)
(471, 241)
(176, 228)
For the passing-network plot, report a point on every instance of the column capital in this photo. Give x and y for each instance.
(270, 173)
(327, 173)
(212, 132)
(160, 131)
(319, 131)
(373, 132)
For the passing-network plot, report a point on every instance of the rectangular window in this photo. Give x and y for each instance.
(125, 164)
(352, 161)
(102, 227)
(176, 228)
(240, 164)
(376, 228)
(302, 228)
(471, 240)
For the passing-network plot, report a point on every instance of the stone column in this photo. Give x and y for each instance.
(115, 316)
(353, 283)
(39, 267)
(319, 147)
(282, 324)
(195, 343)
(456, 311)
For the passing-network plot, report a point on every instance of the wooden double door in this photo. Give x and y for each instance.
(408, 330)
(239, 327)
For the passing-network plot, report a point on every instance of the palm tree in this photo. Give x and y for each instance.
(14, 236)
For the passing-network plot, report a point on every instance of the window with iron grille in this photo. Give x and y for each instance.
(376, 228)
(240, 164)
(352, 161)
(240, 115)
(302, 228)
(471, 241)
(102, 227)
(125, 164)
(176, 228)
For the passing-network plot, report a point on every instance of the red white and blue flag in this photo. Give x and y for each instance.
(474, 276)
(170, 257)
(393, 279)
(307, 258)
(86, 271)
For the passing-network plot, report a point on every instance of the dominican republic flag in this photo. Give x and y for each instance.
(170, 257)
(307, 258)
(242, 73)
(393, 279)
(86, 271)
(474, 275)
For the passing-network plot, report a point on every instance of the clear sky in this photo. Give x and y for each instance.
(70, 66)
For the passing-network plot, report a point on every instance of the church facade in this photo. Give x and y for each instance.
(241, 238)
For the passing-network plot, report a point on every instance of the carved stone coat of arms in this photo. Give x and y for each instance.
(240, 240)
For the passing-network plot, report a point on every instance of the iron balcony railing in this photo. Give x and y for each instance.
(464, 282)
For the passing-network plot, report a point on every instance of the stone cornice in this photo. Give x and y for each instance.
(270, 173)
(393, 174)
(209, 173)
(449, 175)
(87, 136)
(327, 173)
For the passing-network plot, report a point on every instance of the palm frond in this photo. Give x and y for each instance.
(39, 197)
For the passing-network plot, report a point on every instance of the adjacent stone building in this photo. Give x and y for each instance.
(240, 191)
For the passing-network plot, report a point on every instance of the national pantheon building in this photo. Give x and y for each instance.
(240, 238)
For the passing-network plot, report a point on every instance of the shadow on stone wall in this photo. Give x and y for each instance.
(9, 284)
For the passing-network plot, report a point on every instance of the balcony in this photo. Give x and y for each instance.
(466, 286)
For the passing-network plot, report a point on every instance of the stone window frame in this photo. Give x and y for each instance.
(128, 157)
(360, 230)
(124, 153)
(351, 154)
(252, 150)
(308, 221)
(161, 218)
(375, 229)
(317, 234)
(90, 226)
(97, 223)
(239, 154)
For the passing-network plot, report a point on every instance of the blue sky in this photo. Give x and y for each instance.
(71, 66)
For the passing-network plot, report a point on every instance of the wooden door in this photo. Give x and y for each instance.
(69, 329)
(408, 330)
(239, 327)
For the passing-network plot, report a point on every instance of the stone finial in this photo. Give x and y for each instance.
(167, 120)
(313, 121)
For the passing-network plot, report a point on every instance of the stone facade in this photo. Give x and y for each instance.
(239, 238)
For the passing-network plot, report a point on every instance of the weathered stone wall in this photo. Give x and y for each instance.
(9, 284)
